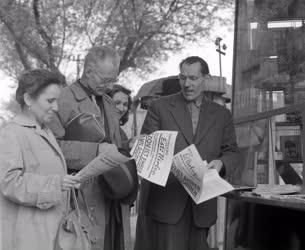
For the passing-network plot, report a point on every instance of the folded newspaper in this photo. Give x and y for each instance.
(108, 158)
(153, 155)
(200, 183)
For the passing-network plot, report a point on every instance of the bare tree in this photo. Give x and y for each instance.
(45, 33)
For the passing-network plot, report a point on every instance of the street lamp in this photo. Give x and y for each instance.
(220, 49)
(78, 60)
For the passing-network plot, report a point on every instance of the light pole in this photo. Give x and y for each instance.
(78, 60)
(220, 52)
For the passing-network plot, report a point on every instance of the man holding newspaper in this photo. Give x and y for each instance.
(169, 219)
(88, 131)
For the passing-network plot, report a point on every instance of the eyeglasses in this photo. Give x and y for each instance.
(107, 81)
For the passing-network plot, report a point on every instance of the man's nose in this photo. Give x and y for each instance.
(187, 82)
(55, 107)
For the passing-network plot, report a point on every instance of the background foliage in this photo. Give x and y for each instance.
(50, 33)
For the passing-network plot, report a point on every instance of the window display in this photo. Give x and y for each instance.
(269, 70)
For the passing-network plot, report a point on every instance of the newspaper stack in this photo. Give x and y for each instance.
(267, 189)
(109, 158)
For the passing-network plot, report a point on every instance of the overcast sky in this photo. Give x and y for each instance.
(205, 49)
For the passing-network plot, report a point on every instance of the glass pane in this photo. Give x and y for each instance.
(288, 155)
(253, 141)
(269, 55)
(272, 151)
(252, 226)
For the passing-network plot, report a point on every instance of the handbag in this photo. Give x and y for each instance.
(85, 127)
(77, 229)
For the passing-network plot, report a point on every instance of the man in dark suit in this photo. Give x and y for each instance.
(168, 218)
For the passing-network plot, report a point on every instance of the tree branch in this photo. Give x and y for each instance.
(131, 53)
(131, 40)
(109, 19)
(21, 40)
(44, 34)
(63, 34)
(128, 49)
(87, 16)
(134, 12)
(22, 56)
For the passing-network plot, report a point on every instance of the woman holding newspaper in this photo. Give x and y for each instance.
(33, 175)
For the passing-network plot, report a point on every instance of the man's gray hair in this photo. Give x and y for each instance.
(99, 54)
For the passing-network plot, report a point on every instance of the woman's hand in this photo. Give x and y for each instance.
(70, 181)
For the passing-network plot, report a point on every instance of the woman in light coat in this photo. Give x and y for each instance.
(33, 175)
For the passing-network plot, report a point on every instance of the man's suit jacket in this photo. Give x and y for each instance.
(214, 139)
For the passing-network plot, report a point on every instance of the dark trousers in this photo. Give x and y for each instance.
(154, 235)
(114, 239)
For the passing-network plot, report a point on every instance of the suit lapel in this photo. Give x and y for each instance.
(182, 117)
(206, 121)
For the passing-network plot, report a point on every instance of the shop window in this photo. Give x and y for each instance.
(272, 150)
(269, 70)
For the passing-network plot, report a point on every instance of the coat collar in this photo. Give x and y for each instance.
(178, 109)
(79, 91)
(106, 103)
(25, 120)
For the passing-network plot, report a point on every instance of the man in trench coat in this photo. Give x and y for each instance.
(87, 95)
(169, 219)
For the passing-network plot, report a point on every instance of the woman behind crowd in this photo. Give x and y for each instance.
(33, 175)
(122, 99)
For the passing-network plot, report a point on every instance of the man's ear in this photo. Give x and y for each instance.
(204, 83)
(207, 76)
(117, 62)
(88, 71)
(27, 99)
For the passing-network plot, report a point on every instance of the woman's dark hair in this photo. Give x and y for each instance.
(34, 82)
(193, 59)
(119, 88)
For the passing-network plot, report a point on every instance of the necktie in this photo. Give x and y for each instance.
(194, 112)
